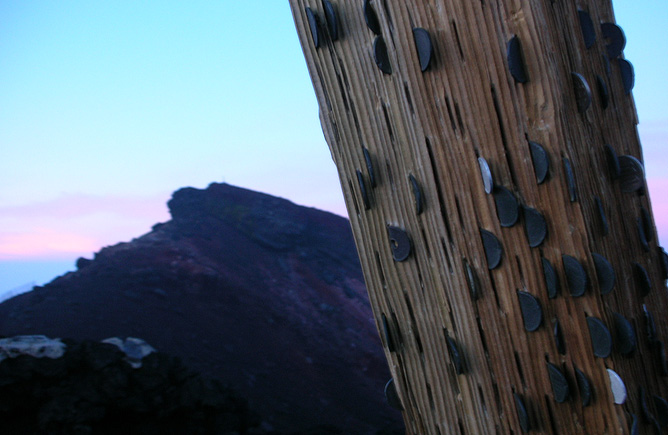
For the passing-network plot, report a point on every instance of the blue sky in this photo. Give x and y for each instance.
(106, 108)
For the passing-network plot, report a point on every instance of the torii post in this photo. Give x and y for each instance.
(491, 167)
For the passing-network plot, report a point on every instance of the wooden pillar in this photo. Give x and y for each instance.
(491, 166)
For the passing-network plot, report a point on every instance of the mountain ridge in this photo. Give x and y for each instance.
(263, 294)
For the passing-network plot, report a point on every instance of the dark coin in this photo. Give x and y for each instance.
(601, 339)
(532, 313)
(493, 249)
(380, 55)
(559, 383)
(424, 47)
(582, 91)
(587, 28)
(516, 61)
(400, 243)
(632, 174)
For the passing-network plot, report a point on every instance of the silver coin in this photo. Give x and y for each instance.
(391, 395)
(617, 387)
(632, 173)
(487, 180)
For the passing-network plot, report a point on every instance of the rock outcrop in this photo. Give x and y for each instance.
(252, 290)
(90, 388)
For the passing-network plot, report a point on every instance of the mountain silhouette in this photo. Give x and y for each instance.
(259, 293)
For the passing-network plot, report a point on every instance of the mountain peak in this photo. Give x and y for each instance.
(263, 294)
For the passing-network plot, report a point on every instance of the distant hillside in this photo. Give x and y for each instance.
(16, 291)
(253, 290)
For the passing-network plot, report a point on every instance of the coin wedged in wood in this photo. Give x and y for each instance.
(417, 194)
(369, 167)
(535, 226)
(603, 93)
(380, 55)
(576, 276)
(584, 386)
(314, 25)
(532, 313)
(558, 337)
(551, 278)
(400, 243)
(522, 413)
(582, 91)
(601, 339)
(642, 279)
(617, 387)
(615, 37)
(516, 60)
(642, 236)
(604, 273)
(631, 174)
(507, 207)
(570, 180)
(486, 173)
(425, 48)
(628, 75)
(612, 161)
(625, 335)
(392, 396)
(560, 390)
(587, 28)
(332, 20)
(663, 258)
(647, 224)
(387, 334)
(493, 249)
(370, 17)
(541, 161)
(602, 218)
(363, 191)
(455, 356)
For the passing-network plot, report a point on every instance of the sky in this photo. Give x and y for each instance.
(106, 108)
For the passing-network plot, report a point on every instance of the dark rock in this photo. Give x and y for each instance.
(85, 398)
(83, 262)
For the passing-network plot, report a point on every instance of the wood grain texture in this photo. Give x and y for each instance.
(433, 126)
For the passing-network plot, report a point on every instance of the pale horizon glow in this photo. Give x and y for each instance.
(108, 108)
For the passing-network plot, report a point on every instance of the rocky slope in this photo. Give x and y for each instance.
(259, 293)
(91, 388)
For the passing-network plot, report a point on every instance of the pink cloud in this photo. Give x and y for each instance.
(76, 225)
(75, 205)
(44, 243)
(654, 136)
(658, 192)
